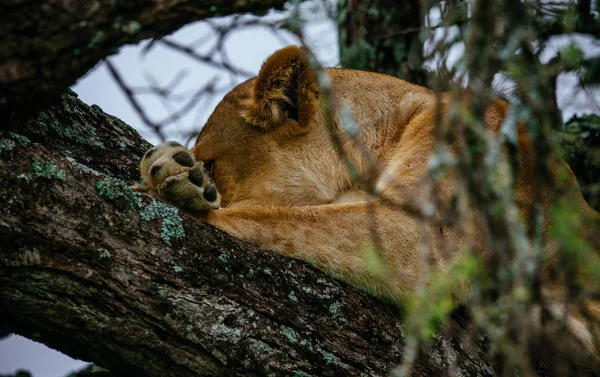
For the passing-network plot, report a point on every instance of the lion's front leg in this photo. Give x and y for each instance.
(171, 174)
(339, 239)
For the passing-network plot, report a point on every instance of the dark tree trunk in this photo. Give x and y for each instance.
(116, 278)
(48, 44)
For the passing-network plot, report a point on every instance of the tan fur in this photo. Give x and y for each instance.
(287, 74)
(284, 187)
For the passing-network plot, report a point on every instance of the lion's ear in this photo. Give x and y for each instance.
(285, 90)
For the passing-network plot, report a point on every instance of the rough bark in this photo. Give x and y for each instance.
(48, 44)
(112, 277)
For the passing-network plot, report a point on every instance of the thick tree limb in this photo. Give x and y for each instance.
(107, 276)
(48, 44)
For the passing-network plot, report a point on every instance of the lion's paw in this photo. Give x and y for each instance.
(171, 173)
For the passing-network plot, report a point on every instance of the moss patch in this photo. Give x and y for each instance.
(301, 374)
(293, 297)
(103, 254)
(10, 140)
(335, 307)
(22, 140)
(132, 28)
(306, 343)
(46, 170)
(80, 135)
(113, 189)
(171, 221)
(329, 357)
(6, 145)
(289, 333)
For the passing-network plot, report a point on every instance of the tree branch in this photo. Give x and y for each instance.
(134, 286)
(48, 44)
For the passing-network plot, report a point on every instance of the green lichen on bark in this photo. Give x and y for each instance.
(104, 254)
(223, 258)
(9, 140)
(6, 145)
(289, 333)
(45, 170)
(20, 139)
(171, 226)
(80, 135)
(292, 297)
(335, 307)
(132, 28)
(113, 189)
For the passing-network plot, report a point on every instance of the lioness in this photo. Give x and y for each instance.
(265, 169)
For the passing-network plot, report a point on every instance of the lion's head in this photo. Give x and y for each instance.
(266, 142)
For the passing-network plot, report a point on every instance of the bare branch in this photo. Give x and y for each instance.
(70, 37)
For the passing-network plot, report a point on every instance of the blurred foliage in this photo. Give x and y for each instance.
(577, 253)
(507, 38)
(382, 36)
(580, 140)
(429, 308)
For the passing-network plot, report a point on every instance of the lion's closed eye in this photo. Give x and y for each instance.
(209, 166)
